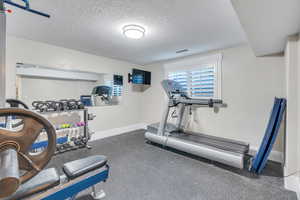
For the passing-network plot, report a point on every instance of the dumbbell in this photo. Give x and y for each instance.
(84, 140)
(64, 104)
(56, 106)
(43, 107)
(79, 104)
(59, 106)
(72, 104)
(63, 147)
(76, 141)
(63, 126)
(35, 104)
(79, 124)
(52, 106)
(60, 148)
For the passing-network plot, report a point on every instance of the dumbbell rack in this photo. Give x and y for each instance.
(63, 143)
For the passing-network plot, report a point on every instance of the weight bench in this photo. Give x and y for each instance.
(78, 176)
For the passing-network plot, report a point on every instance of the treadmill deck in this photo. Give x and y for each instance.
(215, 142)
(197, 138)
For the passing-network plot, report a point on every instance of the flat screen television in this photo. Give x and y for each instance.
(141, 77)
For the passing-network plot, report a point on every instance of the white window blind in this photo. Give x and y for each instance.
(199, 82)
(116, 89)
(202, 82)
(200, 77)
(180, 77)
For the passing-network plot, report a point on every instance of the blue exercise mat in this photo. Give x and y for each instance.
(273, 138)
(256, 161)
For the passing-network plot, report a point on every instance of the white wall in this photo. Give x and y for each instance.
(2, 58)
(292, 90)
(298, 67)
(26, 51)
(292, 148)
(298, 132)
(249, 85)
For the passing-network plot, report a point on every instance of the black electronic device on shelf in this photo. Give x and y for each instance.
(139, 77)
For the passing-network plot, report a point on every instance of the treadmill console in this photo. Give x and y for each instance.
(174, 91)
(173, 88)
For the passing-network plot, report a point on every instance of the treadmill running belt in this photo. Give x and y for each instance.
(212, 141)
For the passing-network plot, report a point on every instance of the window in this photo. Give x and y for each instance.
(116, 89)
(180, 77)
(200, 79)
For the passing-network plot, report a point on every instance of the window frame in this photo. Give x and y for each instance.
(194, 64)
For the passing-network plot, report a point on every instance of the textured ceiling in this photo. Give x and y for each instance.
(94, 26)
(268, 23)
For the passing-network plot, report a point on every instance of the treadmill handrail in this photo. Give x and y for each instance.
(204, 102)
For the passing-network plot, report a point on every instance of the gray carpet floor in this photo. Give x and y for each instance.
(143, 171)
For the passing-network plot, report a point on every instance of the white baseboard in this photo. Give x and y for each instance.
(293, 183)
(274, 155)
(117, 131)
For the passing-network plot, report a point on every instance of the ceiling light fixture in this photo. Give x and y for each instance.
(134, 31)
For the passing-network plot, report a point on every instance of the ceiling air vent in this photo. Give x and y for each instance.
(182, 51)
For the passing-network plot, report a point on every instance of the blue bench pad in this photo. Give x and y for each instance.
(80, 167)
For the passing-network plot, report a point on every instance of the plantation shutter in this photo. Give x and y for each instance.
(116, 89)
(202, 82)
(181, 77)
(198, 83)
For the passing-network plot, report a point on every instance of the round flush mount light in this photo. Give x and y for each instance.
(134, 31)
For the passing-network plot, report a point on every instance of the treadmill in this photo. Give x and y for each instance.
(225, 151)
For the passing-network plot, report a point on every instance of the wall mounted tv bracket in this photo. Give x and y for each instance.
(25, 7)
(129, 78)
